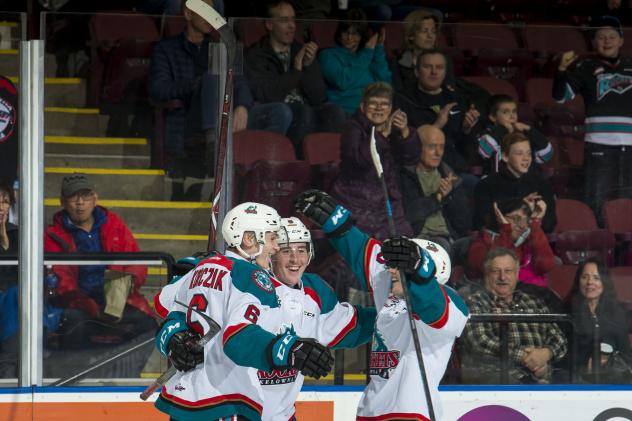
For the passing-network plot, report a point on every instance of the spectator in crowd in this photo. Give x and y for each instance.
(8, 287)
(431, 102)
(98, 301)
(357, 185)
(435, 203)
(357, 61)
(533, 347)
(603, 81)
(278, 68)
(515, 226)
(180, 76)
(420, 34)
(593, 302)
(503, 114)
(514, 179)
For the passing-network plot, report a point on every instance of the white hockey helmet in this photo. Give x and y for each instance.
(440, 258)
(295, 232)
(249, 217)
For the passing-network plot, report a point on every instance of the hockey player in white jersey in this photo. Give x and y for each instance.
(219, 381)
(310, 309)
(395, 391)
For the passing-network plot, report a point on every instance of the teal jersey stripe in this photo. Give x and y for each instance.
(215, 412)
(609, 127)
(249, 347)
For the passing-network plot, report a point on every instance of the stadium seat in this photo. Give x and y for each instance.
(252, 145)
(616, 215)
(561, 279)
(622, 280)
(547, 40)
(322, 33)
(557, 119)
(320, 148)
(494, 86)
(322, 152)
(574, 215)
(474, 35)
(277, 183)
(121, 47)
(575, 246)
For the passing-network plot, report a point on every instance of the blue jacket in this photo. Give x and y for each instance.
(347, 73)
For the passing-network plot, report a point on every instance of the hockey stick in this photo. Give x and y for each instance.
(375, 157)
(213, 329)
(209, 14)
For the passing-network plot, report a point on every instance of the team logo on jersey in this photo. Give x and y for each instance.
(262, 280)
(7, 119)
(383, 360)
(612, 82)
(252, 209)
(275, 377)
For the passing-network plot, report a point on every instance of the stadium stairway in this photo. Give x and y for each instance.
(75, 140)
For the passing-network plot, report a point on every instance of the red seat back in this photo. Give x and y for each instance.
(320, 148)
(561, 279)
(474, 36)
(277, 183)
(574, 215)
(622, 280)
(550, 39)
(494, 86)
(618, 215)
(252, 145)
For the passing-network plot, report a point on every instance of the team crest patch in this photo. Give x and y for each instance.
(7, 119)
(252, 209)
(616, 83)
(262, 280)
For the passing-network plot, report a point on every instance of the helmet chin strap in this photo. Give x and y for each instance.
(251, 257)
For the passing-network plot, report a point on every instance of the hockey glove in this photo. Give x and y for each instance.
(325, 211)
(184, 350)
(404, 254)
(304, 354)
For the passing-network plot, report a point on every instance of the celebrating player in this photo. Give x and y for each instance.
(395, 389)
(237, 292)
(310, 309)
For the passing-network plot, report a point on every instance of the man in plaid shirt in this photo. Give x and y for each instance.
(533, 347)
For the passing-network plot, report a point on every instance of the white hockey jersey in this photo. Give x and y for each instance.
(239, 296)
(311, 311)
(395, 390)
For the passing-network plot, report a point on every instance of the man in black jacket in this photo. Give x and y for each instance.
(435, 203)
(280, 69)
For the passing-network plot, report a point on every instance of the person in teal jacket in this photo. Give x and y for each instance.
(357, 61)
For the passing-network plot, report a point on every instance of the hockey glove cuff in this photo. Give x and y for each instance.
(174, 323)
(325, 211)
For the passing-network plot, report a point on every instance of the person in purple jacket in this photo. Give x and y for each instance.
(357, 185)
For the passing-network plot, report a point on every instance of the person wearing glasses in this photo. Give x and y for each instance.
(357, 185)
(534, 348)
(357, 60)
(102, 303)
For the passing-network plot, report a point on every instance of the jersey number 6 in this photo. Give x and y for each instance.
(252, 313)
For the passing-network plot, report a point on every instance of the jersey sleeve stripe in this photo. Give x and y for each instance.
(394, 416)
(348, 328)
(214, 401)
(439, 323)
(368, 253)
(232, 331)
(160, 309)
(314, 296)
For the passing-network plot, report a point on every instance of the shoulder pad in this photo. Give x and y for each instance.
(251, 279)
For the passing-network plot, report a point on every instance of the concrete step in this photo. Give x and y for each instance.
(97, 145)
(112, 184)
(10, 59)
(67, 121)
(97, 161)
(188, 218)
(65, 92)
